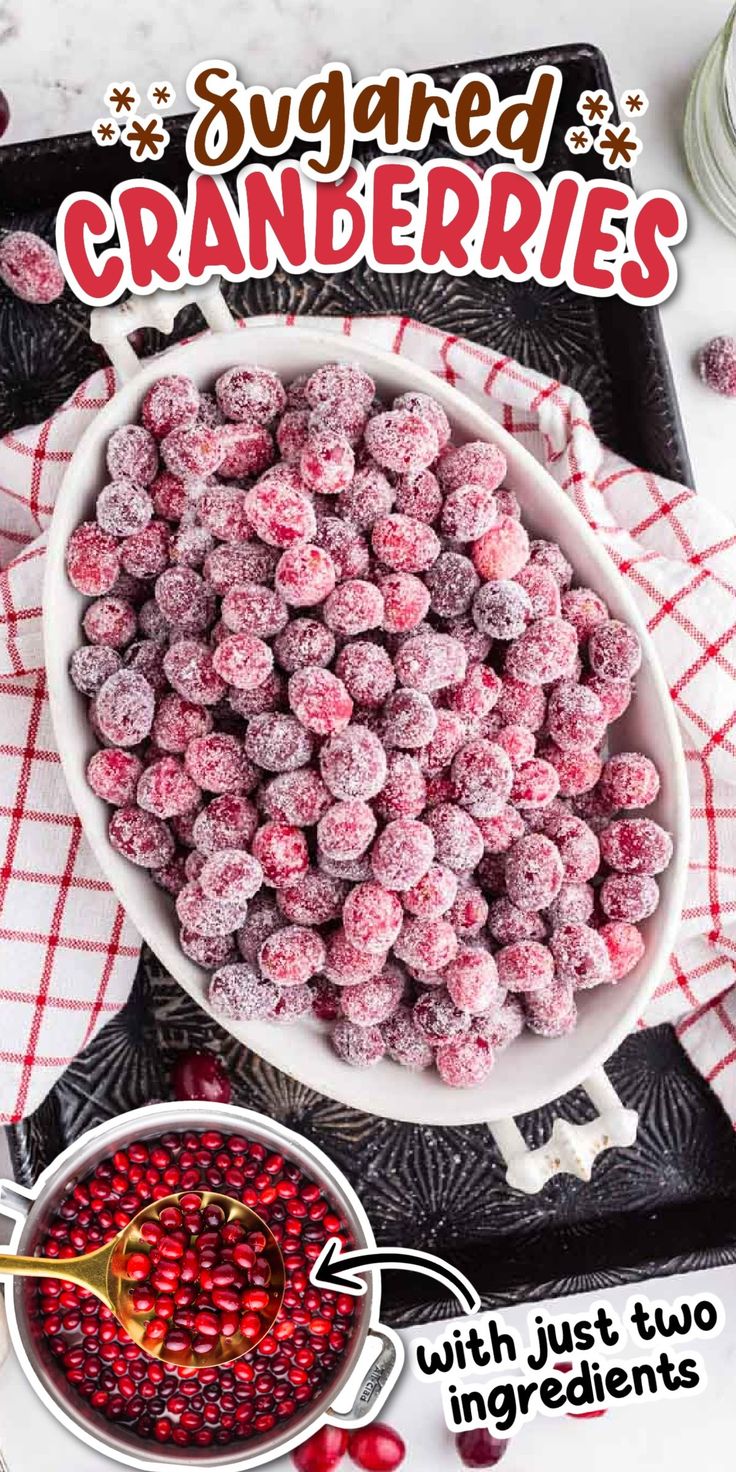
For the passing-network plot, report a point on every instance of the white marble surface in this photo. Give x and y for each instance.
(56, 57)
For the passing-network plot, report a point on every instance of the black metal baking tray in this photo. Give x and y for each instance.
(669, 1202)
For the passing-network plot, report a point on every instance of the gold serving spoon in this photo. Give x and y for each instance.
(102, 1273)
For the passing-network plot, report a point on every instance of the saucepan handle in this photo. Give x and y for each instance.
(378, 1381)
(15, 1201)
(571, 1148)
(111, 326)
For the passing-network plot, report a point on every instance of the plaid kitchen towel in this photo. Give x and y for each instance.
(67, 952)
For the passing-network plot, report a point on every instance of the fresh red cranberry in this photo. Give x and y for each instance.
(479, 1449)
(377, 1448)
(323, 1451)
(200, 1075)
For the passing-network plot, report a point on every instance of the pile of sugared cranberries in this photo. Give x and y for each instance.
(194, 1406)
(354, 720)
(190, 1242)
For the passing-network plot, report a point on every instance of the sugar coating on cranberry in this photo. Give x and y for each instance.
(452, 582)
(232, 875)
(170, 402)
(525, 966)
(409, 719)
(237, 993)
(534, 872)
(30, 267)
(305, 575)
(91, 665)
(580, 955)
(113, 775)
(552, 1012)
(636, 846)
(278, 510)
(458, 841)
(545, 652)
(402, 853)
(132, 454)
(541, 589)
(438, 1019)
(243, 660)
(472, 980)
(140, 837)
(430, 662)
(575, 716)
(402, 441)
(353, 763)
(614, 651)
(282, 852)
(404, 544)
(502, 609)
(346, 830)
(405, 601)
(476, 463)
(418, 495)
(628, 780)
(469, 511)
(123, 508)
(717, 365)
(250, 392)
(372, 916)
(404, 792)
(631, 897)
(289, 957)
(465, 1062)
(502, 551)
(110, 621)
(229, 821)
(166, 789)
(124, 708)
(327, 461)
(92, 559)
(361, 1047)
(625, 946)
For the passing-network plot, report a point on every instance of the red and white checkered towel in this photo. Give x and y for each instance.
(68, 953)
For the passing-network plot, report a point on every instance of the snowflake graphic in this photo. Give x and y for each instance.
(595, 107)
(634, 104)
(579, 140)
(161, 95)
(146, 138)
(121, 99)
(618, 145)
(105, 132)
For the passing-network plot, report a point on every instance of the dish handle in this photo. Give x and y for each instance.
(111, 326)
(378, 1381)
(571, 1148)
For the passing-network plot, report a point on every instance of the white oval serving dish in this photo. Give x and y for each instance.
(533, 1070)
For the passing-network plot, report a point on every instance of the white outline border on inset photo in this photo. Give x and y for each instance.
(241, 1119)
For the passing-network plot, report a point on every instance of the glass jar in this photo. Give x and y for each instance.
(710, 126)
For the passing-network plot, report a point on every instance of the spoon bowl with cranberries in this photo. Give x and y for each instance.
(195, 1279)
